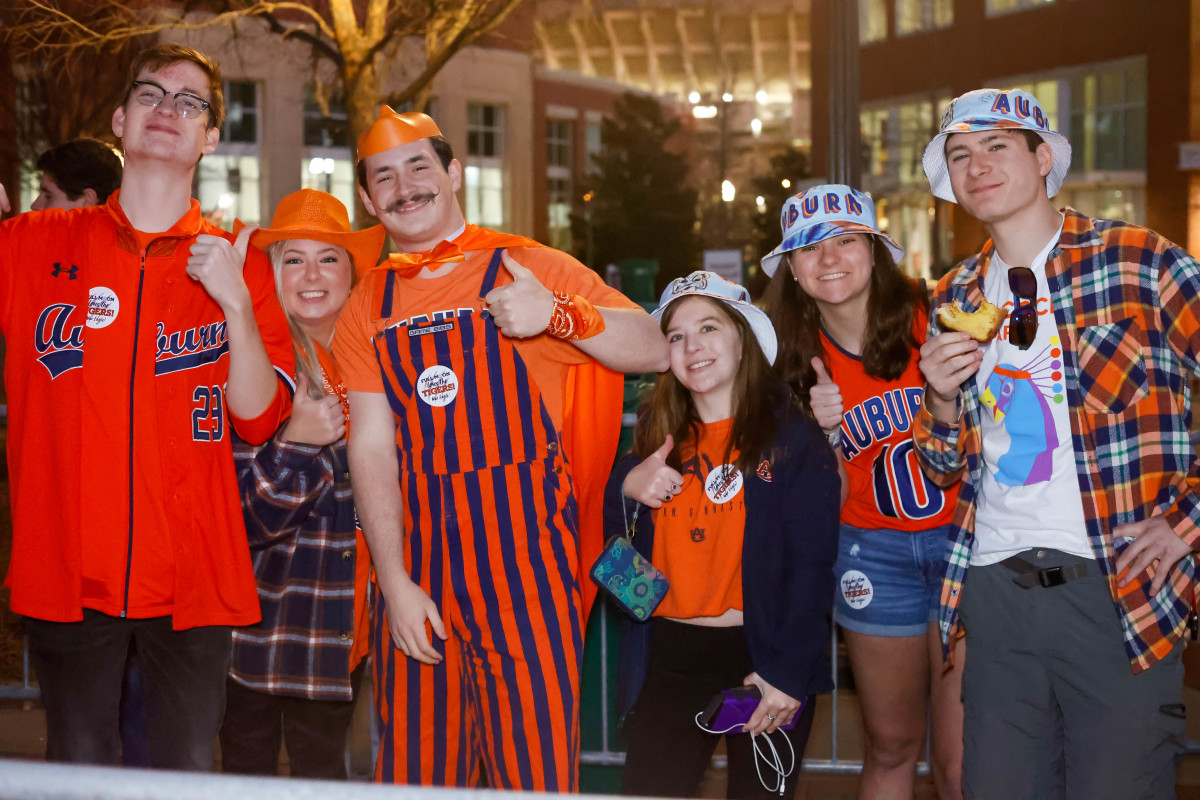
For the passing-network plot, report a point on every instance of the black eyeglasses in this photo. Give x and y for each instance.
(151, 94)
(1023, 321)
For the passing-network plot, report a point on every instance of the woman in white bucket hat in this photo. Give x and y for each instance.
(743, 498)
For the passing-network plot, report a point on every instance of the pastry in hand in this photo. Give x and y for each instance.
(981, 325)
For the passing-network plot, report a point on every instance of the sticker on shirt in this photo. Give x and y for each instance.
(437, 386)
(856, 589)
(103, 306)
(1019, 398)
(723, 483)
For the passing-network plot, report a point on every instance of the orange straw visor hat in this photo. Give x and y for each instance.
(393, 130)
(309, 214)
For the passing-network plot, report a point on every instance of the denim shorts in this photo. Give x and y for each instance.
(889, 583)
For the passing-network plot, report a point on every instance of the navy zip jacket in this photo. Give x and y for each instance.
(788, 550)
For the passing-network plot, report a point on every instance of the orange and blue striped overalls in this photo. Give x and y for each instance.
(491, 534)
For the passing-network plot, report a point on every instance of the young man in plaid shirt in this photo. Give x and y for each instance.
(1078, 512)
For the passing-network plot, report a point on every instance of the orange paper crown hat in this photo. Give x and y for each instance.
(392, 130)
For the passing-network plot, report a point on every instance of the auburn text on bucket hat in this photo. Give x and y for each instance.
(822, 212)
(992, 109)
(710, 284)
(309, 214)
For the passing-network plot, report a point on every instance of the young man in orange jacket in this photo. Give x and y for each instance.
(133, 341)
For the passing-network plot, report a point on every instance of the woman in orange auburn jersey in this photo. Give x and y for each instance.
(294, 676)
(850, 326)
(743, 496)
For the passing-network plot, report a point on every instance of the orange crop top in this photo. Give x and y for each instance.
(698, 535)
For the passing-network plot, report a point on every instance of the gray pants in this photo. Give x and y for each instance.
(1051, 706)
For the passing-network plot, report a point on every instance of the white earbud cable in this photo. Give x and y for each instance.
(773, 762)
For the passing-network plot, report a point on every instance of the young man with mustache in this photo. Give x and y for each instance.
(485, 413)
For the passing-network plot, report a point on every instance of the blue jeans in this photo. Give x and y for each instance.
(889, 582)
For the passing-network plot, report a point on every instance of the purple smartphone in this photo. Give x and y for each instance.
(729, 710)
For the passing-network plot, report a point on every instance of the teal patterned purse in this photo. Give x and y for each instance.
(628, 578)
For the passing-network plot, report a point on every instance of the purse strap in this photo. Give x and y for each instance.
(630, 527)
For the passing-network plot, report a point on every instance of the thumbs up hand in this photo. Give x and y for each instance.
(217, 265)
(825, 398)
(314, 421)
(652, 482)
(522, 308)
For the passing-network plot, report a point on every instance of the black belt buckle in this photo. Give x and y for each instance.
(1051, 576)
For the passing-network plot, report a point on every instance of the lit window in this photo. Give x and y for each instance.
(593, 140)
(558, 182)
(874, 132)
(558, 208)
(1108, 119)
(484, 175)
(894, 139)
(916, 129)
(229, 182)
(558, 143)
(328, 163)
(995, 7)
(914, 16)
(872, 21)
(31, 187)
(1107, 200)
(485, 194)
(228, 187)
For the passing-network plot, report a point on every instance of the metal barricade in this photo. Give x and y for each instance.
(25, 690)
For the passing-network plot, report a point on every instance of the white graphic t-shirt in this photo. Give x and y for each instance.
(1030, 492)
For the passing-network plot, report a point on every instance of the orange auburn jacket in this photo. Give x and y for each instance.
(124, 496)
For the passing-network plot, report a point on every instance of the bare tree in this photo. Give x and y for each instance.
(47, 99)
(354, 35)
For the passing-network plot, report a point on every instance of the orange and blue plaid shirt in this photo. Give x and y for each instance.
(1127, 306)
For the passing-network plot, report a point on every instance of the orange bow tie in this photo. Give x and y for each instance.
(409, 264)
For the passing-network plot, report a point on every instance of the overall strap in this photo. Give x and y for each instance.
(489, 277)
(389, 289)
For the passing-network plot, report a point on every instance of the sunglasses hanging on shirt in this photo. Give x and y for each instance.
(1023, 321)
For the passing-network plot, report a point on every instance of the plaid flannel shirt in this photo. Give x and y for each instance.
(300, 520)
(1127, 307)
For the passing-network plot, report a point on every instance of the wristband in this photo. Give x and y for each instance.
(834, 437)
(574, 318)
